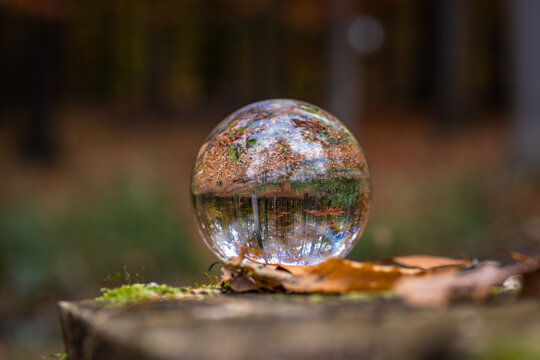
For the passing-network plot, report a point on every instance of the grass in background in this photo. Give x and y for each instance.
(451, 218)
(94, 237)
(140, 225)
(67, 255)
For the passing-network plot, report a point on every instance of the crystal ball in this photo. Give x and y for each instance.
(280, 182)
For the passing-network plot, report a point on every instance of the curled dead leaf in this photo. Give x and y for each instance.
(420, 280)
(333, 276)
(341, 276)
(438, 289)
(519, 257)
(236, 280)
(530, 275)
(241, 277)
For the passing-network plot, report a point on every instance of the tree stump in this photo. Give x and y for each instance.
(295, 327)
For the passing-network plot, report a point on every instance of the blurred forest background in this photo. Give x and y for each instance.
(105, 103)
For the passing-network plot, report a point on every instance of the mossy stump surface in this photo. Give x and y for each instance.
(298, 327)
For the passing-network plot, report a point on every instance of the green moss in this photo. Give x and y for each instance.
(134, 293)
(57, 356)
(138, 292)
(233, 154)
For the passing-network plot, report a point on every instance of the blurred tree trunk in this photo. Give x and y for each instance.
(156, 68)
(344, 90)
(450, 77)
(526, 53)
(41, 81)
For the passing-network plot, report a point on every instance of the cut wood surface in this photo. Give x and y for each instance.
(279, 326)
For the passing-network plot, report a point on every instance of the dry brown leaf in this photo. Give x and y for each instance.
(340, 276)
(426, 281)
(519, 257)
(530, 283)
(237, 280)
(333, 276)
(429, 291)
(427, 262)
(437, 290)
(242, 277)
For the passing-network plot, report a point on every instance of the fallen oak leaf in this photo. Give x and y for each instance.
(519, 257)
(279, 267)
(438, 289)
(426, 262)
(341, 276)
(530, 280)
(434, 285)
(332, 276)
(241, 277)
(429, 291)
(236, 280)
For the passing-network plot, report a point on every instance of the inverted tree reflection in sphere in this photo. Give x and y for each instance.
(281, 182)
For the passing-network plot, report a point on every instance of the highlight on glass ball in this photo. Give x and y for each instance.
(281, 182)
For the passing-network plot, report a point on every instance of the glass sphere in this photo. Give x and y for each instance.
(281, 182)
